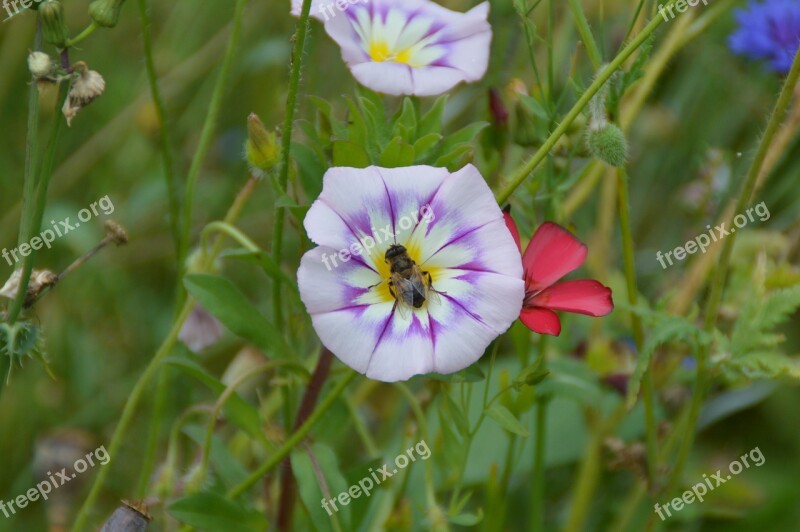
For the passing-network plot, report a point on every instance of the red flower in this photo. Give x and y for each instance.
(552, 253)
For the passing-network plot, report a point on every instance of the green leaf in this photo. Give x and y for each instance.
(455, 413)
(346, 153)
(571, 378)
(472, 373)
(265, 261)
(310, 169)
(214, 513)
(456, 447)
(464, 135)
(240, 412)
(759, 316)
(431, 122)
(224, 300)
(457, 158)
(764, 365)
(397, 154)
(286, 202)
(466, 519)
(425, 143)
(405, 123)
(312, 469)
(506, 419)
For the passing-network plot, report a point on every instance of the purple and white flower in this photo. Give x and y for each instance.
(474, 265)
(405, 47)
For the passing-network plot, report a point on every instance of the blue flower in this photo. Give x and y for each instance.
(770, 31)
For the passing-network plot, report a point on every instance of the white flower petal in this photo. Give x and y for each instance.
(470, 256)
(412, 46)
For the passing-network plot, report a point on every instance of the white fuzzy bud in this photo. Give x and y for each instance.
(40, 65)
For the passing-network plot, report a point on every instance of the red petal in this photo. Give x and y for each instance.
(541, 320)
(512, 225)
(583, 296)
(552, 253)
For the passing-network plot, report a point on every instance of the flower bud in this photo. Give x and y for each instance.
(54, 30)
(40, 65)
(608, 144)
(105, 12)
(262, 149)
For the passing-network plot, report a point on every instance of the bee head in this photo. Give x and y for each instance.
(394, 251)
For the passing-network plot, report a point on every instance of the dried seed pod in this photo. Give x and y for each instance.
(130, 517)
(86, 86)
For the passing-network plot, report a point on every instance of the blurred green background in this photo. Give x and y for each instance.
(696, 133)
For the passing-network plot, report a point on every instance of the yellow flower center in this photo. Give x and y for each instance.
(415, 253)
(379, 51)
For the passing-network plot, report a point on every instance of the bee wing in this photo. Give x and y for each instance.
(432, 295)
(404, 289)
(403, 309)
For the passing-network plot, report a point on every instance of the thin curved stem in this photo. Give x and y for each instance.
(82, 35)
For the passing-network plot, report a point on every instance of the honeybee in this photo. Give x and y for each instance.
(409, 285)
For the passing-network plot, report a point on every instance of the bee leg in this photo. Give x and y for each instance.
(430, 282)
(391, 291)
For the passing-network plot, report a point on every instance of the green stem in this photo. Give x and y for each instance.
(537, 486)
(127, 413)
(430, 491)
(602, 77)
(288, 124)
(591, 465)
(209, 126)
(161, 114)
(586, 34)
(473, 431)
(37, 208)
(651, 438)
(539, 444)
(294, 439)
(173, 200)
(160, 406)
(29, 185)
(82, 35)
(702, 379)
